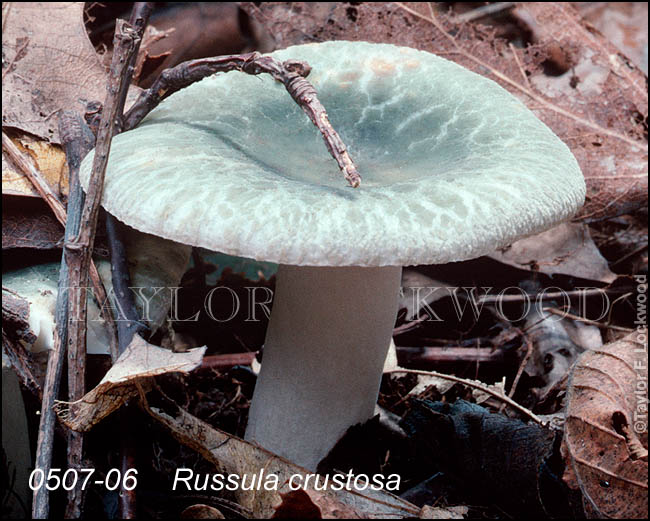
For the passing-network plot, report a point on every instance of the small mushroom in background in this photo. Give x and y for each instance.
(453, 167)
(153, 262)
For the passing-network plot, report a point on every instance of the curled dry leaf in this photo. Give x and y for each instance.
(49, 64)
(606, 431)
(233, 455)
(133, 369)
(598, 107)
(567, 249)
(553, 350)
(15, 334)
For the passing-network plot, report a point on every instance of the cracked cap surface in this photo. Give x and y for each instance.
(452, 165)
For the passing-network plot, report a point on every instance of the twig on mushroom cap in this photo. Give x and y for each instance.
(119, 268)
(138, 21)
(291, 73)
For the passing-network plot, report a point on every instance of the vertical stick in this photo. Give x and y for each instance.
(77, 255)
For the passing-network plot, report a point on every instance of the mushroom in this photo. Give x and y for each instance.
(155, 264)
(453, 167)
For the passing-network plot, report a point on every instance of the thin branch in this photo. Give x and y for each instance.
(577, 318)
(138, 21)
(521, 67)
(551, 295)
(436, 355)
(291, 74)
(484, 10)
(80, 248)
(77, 146)
(481, 387)
(120, 274)
(78, 140)
(77, 258)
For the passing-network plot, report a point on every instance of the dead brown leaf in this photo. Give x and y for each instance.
(49, 64)
(233, 455)
(598, 107)
(29, 225)
(606, 96)
(310, 504)
(606, 431)
(201, 512)
(132, 370)
(455, 512)
(48, 158)
(625, 24)
(567, 249)
(195, 30)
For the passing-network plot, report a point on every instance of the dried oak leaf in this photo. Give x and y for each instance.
(606, 431)
(132, 370)
(48, 65)
(598, 107)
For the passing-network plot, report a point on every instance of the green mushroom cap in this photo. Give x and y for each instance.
(452, 165)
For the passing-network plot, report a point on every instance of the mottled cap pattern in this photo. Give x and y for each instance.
(452, 165)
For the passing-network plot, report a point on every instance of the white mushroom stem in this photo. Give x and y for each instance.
(325, 347)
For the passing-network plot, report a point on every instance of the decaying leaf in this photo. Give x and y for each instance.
(495, 458)
(606, 431)
(49, 65)
(15, 333)
(625, 24)
(48, 158)
(310, 504)
(567, 249)
(233, 455)
(135, 367)
(598, 107)
(554, 352)
(201, 512)
(30, 225)
(454, 512)
(606, 97)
